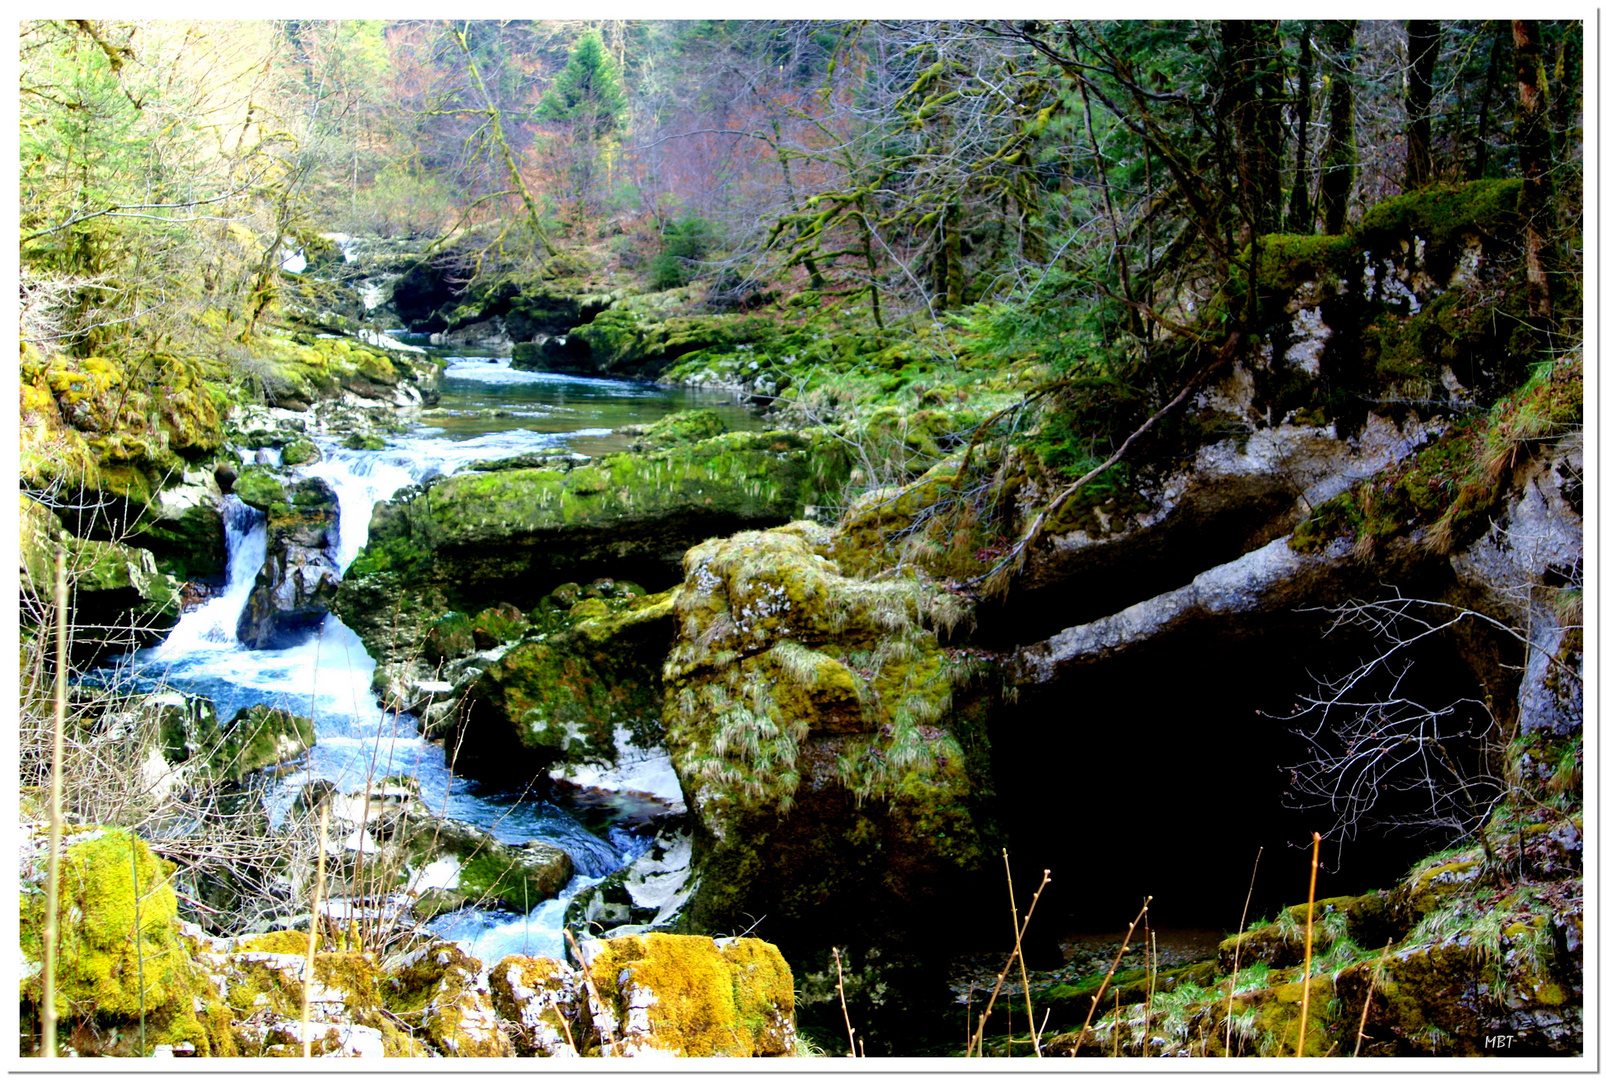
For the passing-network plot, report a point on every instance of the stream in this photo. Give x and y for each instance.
(487, 410)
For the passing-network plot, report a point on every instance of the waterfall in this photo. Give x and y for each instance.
(211, 627)
(361, 478)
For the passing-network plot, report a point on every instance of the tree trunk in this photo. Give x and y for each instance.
(1533, 146)
(952, 263)
(1299, 208)
(1491, 80)
(1253, 98)
(1422, 40)
(1338, 157)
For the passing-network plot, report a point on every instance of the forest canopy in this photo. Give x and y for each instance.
(904, 167)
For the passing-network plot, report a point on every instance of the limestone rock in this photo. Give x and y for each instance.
(298, 577)
(469, 541)
(582, 695)
(467, 865)
(540, 999)
(822, 737)
(118, 918)
(444, 991)
(259, 738)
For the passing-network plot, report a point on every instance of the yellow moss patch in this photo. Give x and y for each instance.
(685, 996)
(120, 956)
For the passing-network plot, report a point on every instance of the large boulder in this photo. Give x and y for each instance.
(264, 980)
(676, 995)
(186, 532)
(624, 343)
(834, 756)
(442, 991)
(297, 580)
(126, 979)
(468, 541)
(118, 597)
(586, 695)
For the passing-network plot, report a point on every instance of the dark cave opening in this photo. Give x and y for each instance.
(1166, 772)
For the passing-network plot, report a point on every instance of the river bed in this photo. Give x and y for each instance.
(487, 410)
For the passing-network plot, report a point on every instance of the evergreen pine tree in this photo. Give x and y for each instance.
(586, 93)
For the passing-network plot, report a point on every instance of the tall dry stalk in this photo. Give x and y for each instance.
(53, 873)
(312, 935)
(1360, 1032)
(1025, 988)
(842, 996)
(974, 1045)
(1093, 1006)
(591, 987)
(1237, 954)
(1310, 923)
(139, 951)
(1150, 976)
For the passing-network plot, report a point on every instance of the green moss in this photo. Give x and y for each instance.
(120, 957)
(517, 882)
(480, 532)
(260, 487)
(259, 737)
(564, 696)
(363, 442)
(676, 429)
(300, 451)
(1287, 262)
(790, 685)
(450, 637)
(1439, 214)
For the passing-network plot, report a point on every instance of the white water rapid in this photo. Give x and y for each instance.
(328, 675)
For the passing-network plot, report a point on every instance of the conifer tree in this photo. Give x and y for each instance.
(588, 107)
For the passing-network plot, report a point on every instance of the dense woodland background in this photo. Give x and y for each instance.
(1091, 180)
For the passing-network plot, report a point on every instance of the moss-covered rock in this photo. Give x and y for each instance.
(539, 999)
(470, 540)
(119, 597)
(480, 868)
(1442, 213)
(297, 580)
(572, 696)
(623, 342)
(1452, 487)
(1451, 961)
(691, 425)
(826, 743)
(688, 996)
(186, 534)
(437, 988)
(300, 451)
(123, 968)
(260, 487)
(261, 737)
(265, 985)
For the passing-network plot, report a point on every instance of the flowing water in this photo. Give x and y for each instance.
(487, 410)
